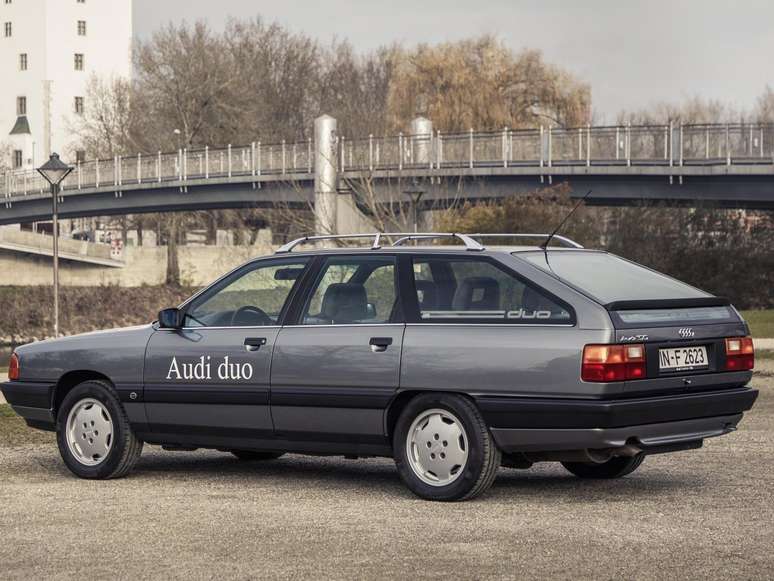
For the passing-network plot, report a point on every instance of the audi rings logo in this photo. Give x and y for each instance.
(686, 332)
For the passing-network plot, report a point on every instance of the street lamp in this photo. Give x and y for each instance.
(54, 170)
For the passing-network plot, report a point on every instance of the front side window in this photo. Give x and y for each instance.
(353, 290)
(254, 298)
(459, 290)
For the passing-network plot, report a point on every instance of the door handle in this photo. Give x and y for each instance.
(254, 343)
(380, 344)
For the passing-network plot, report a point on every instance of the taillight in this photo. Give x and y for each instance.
(13, 367)
(605, 363)
(740, 354)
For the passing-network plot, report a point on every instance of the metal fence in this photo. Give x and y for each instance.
(546, 147)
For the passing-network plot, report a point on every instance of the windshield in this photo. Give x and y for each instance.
(608, 278)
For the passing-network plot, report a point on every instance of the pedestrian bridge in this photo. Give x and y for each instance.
(730, 165)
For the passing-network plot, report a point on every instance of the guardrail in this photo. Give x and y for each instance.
(545, 147)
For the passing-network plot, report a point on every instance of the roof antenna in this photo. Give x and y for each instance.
(545, 244)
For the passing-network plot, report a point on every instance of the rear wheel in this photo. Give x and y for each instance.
(613, 468)
(443, 449)
(250, 455)
(93, 432)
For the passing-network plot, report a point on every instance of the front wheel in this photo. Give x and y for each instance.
(93, 432)
(614, 468)
(443, 449)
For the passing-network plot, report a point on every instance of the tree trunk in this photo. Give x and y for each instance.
(173, 264)
(212, 228)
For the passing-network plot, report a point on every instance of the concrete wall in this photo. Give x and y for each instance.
(199, 265)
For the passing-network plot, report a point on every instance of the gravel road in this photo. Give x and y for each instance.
(701, 514)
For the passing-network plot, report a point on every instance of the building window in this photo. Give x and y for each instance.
(78, 61)
(21, 105)
(79, 105)
(80, 156)
(81, 1)
(7, 1)
(81, 28)
(18, 158)
(8, 29)
(23, 61)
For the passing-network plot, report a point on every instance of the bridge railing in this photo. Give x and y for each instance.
(544, 147)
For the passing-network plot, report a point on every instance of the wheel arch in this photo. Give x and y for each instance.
(70, 380)
(401, 400)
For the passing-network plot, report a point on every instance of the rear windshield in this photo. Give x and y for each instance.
(608, 278)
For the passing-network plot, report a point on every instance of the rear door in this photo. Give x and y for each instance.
(336, 368)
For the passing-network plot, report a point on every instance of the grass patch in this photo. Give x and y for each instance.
(761, 323)
(14, 432)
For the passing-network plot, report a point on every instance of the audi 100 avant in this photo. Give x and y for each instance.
(453, 360)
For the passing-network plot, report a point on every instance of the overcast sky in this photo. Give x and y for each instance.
(634, 53)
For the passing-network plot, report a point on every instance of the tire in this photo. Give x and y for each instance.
(443, 449)
(613, 468)
(96, 403)
(250, 455)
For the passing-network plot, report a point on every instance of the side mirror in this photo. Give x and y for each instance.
(170, 318)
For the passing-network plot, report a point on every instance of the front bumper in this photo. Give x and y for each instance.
(32, 401)
(520, 424)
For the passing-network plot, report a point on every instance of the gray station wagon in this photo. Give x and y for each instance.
(453, 360)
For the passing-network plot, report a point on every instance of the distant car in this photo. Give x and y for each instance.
(451, 359)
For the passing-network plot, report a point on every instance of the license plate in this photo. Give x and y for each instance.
(682, 358)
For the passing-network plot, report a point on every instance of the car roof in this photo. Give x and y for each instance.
(434, 249)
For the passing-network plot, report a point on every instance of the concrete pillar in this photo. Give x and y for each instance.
(422, 138)
(325, 175)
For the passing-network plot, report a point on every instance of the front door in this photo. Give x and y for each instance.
(209, 382)
(335, 370)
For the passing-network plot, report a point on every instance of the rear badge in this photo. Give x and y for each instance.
(637, 338)
(686, 332)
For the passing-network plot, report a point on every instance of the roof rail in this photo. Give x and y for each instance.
(567, 242)
(376, 237)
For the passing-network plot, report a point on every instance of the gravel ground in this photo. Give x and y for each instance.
(700, 514)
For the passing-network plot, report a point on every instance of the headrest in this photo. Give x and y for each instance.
(427, 294)
(345, 303)
(478, 293)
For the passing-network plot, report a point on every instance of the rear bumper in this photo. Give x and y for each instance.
(520, 424)
(32, 401)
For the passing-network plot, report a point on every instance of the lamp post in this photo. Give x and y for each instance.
(54, 171)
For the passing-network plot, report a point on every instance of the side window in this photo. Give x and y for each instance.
(456, 289)
(253, 299)
(353, 290)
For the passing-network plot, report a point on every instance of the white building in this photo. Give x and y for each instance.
(50, 50)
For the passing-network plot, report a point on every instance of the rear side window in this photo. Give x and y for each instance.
(353, 291)
(608, 278)
(459, 290)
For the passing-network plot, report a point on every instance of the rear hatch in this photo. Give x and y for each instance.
(684, 330)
